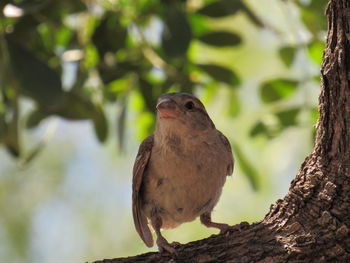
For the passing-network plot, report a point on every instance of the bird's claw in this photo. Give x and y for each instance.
(224, 228)
(163, 246)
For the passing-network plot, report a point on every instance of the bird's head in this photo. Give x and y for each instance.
(182, 111)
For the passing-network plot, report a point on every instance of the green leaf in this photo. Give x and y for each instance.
(118, 71)
(100, 125)
(317, 78)
(246, 166)
(37, 79)
(121, 126)
(146, 89)
(220, 73)
(277, 89)
(91, 58)
(3, 127)
(220, 39)
(63, 36)
(258, 129)
(288, 117)
(234, 105)
(221, 8)
(313, 20)
(11, 136)
(199, 24)
(287, 55)
(76, 107)
(261, 128)
(177, 33)
(314, 115)
(110, 35)
(34, 118)
(25, 33)
(316, 51)
(55, 9)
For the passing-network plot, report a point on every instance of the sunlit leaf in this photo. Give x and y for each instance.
(234, 103)
(177, 33)
(37, 79)
(114, 88)
(287, 55)
(220, 39)
(198, 24)
(314, 115)
(220, 73)
(317, 79)
(209, 93)
(316, 51)
(277, 89)
(47, 36)
(63, 35)
(145, 124)
(314, 118)
(91, 57)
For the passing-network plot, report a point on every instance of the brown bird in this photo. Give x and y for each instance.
(180, 170)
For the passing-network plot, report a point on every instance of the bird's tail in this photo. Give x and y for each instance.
(142, 227)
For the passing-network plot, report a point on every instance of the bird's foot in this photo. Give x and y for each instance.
(163, 245)
(206, 220)
(175, 244)
(223, 227)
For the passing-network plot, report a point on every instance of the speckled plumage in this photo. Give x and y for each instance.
(179, 171)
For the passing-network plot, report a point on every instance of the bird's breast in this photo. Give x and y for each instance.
(183, 180)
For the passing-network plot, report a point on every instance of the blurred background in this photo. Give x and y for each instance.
(79, 80)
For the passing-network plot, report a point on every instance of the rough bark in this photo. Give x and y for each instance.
(311, 223)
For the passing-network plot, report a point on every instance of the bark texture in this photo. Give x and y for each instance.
(311, 223)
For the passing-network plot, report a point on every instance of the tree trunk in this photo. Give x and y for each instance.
(311, 223)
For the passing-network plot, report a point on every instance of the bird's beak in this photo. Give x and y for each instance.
(167, 108)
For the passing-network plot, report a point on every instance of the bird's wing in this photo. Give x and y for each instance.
(140, 166)
(227, 145)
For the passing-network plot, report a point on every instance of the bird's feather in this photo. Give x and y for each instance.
(140, 166)
(227, 145)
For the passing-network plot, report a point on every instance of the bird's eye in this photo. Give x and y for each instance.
(189, 105)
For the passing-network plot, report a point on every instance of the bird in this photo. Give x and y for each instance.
(179, 170)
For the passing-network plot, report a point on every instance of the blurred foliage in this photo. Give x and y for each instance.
(115, 48)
